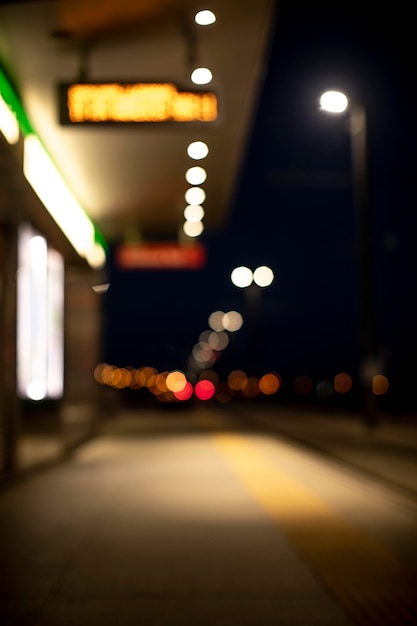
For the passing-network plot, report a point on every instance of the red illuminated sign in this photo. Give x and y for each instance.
(160, 256)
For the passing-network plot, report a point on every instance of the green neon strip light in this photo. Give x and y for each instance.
(10, 97)
(12, 100)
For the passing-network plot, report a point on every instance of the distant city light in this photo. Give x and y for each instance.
(380, 385)
(215, 320)
(241, 276)
(342, 383)
(201, 76)
(232, 321)
(205, 17)
(195, 175)
(269, 384)
(333, 102)
(185, 393)
(263, 276)
(204, 389)
(197, 150)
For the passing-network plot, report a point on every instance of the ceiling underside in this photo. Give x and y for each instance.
(130, 179)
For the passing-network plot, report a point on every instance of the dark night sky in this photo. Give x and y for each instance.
(293, 210)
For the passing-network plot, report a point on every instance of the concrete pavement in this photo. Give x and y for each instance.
(148, 525)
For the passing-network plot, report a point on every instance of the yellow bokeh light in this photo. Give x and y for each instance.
(380, 385)
(176, 381)
(237, 380)
(269, 384)
(251, 389)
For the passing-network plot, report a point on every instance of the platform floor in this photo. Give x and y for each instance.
(206, 518)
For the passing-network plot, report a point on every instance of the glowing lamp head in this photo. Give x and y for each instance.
(333, 102)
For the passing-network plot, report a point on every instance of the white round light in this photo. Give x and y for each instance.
(201, 76)
(215, 320)
(195, 175)
(204, 18)
(241, 276)
(197, 150)
(263, 276)
(333, 102)
(193, 229)
(194, 213)
(232, 321)
(195, 195)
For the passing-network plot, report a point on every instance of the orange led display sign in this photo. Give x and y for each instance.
(98, 103)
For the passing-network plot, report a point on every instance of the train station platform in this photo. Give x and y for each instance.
(215, 517)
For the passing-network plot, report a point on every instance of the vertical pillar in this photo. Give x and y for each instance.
(9, 402)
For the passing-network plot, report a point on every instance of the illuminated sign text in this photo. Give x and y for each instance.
(134, 102)
(161, 256)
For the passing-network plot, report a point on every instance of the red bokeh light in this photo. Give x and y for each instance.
(186, 393)
(204, 390)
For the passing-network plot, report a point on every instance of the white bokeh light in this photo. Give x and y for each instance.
(242, 276)
(195, 175)
(232, 321)
(194, 213)
(333, 102)
(197, 150)
(195, 195)
(263, 276)
(193, 229)
(201, 76)
(215, 320)
(205, 17)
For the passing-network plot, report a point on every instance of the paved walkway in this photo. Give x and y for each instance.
(148, 525)
(387, 451)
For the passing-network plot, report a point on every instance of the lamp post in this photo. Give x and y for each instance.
(252, 283)
(336, 102)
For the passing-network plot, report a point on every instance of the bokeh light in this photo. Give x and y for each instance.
(204, 389)
(324, 390)
(185, 393)
(232, 321)
(194, 213)
(195, 195)
(342, 383)
(176, 381)
(205, 17)
(380, 385)
(251, 389)
(263, 276)
(269, 384)
(333, 102)
(193, 229)
(195, 175)
(215, 320)
(241, 276)
(237, 380)
(303, 385)
(201, 76)
(197, 150)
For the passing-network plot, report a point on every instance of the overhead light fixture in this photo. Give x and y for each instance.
(47, 182)
(193, 229)
(9, 125)
(197, 150)
(195, 175)
(201, 76)
(195, 195)
(205, 17)
(52, 190)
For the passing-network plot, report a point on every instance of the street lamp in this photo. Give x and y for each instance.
(336, 102)
(253, 282)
